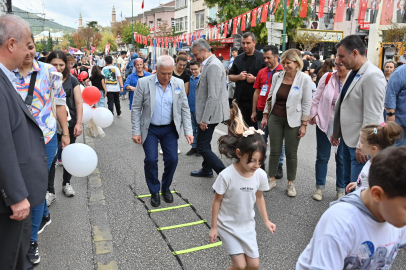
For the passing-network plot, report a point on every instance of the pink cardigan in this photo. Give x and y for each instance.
(323, 103)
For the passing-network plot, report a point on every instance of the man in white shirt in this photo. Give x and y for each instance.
(402, 59)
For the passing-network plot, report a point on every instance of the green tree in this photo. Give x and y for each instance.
(107, 38)
(39, 47)
(49, 44)
(139, 28)
(228, 9)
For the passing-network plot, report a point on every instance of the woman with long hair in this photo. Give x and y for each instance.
(74, 103)
(97, 80)
(322, 115)
(288, 107)
(327, 66)
(46, 101)
(180, 71)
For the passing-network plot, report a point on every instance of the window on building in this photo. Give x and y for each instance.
(212, 12)
(186, 25)
(159, 22)
(199, 20)
(151, 24)
(181, 24)
(181, 3)
(173, 23)
(177, 25)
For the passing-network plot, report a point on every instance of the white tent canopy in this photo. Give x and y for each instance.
(78, 52)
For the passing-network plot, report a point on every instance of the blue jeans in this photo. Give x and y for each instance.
(41, 210)
(194, 127)
(403, 137)
(101, 101)
(323, 156)
(168, 138)
(282, 157)
(352, 168)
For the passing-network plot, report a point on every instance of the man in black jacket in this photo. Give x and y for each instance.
(23, 162)
(244, 71)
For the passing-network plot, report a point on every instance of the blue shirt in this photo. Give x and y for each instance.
(191, 98)
(132, 80)
(396, 94)
(10, 75)
(162, 114)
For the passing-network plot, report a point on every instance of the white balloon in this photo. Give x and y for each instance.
(102, 117)
(79, 159)
(87, 113)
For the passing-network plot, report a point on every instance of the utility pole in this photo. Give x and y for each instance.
(284, 26)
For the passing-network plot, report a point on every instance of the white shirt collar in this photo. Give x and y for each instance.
(205, 61)
(10, 75)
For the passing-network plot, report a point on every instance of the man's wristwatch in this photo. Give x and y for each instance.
(390, 114)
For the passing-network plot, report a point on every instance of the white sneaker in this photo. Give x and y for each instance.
(50, 198)
(272, 184)
(340, 195)
(178, 151)
(59, 162)
(291, 190)
(318, 194)
(68, 190)
(161, 152)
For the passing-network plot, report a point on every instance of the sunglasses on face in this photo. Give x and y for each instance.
(337, 64)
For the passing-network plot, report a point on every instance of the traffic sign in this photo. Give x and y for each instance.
(274, 40)
(274, 33)
(274, 25)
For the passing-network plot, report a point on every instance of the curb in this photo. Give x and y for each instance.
(102, 239)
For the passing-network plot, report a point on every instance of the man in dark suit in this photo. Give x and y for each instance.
(330, 10)
(313, 12)
(401, 14)
(23, 163)
(350, 10)
(295, 9)
(373, 13)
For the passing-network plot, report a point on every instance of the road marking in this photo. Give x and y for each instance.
(110, 266)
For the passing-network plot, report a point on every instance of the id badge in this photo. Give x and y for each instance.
(264, 90)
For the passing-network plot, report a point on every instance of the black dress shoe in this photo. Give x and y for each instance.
(155, 200)
(191, 152)
(202, 173)
(279, 173)
(168, 197)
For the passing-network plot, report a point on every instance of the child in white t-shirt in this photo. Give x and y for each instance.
(373, 139)
(366, 228)
(238, 188)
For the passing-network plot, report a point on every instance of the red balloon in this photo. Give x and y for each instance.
(83, 75)
(72, 71)
(91, 95)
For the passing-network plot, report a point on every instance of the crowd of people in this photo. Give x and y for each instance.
(261, 96)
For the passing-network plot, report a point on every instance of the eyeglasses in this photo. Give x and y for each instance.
(337, 64)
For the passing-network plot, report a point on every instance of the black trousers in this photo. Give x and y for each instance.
(246, 111)
(113, 98)
(210, 159)
(14, 243)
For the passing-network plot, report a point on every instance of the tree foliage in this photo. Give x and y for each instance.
(307, 40)
(396, 37)
(39, 47)
(85, 37)
(164, 30)
(228, 9)
(140, 28)
(49, 43)
(107, 38)
(215, 44)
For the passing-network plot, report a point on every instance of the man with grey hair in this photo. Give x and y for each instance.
(211, 106)
(23, 164)
(159, 108)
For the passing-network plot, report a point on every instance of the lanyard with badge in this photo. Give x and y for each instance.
(264, 89)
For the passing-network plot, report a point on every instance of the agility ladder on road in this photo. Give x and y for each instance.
(161, 229)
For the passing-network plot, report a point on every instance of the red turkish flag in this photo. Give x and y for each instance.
(218, 32)
(340, 11)
(254, 18)
(321, 8)
(225, 29)
(235, 26)
(244, 20)
(303, 9)
(387, 12)
(264, 16)
(142, 6)
(151, 42)
(363, 5)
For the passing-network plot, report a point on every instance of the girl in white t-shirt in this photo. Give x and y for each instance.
(238, 188)
(373, 139)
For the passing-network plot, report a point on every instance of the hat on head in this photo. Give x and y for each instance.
(307, 53)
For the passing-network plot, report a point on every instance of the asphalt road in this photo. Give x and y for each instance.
(136, 244)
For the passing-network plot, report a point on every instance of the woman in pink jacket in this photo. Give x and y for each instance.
(322, 114)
